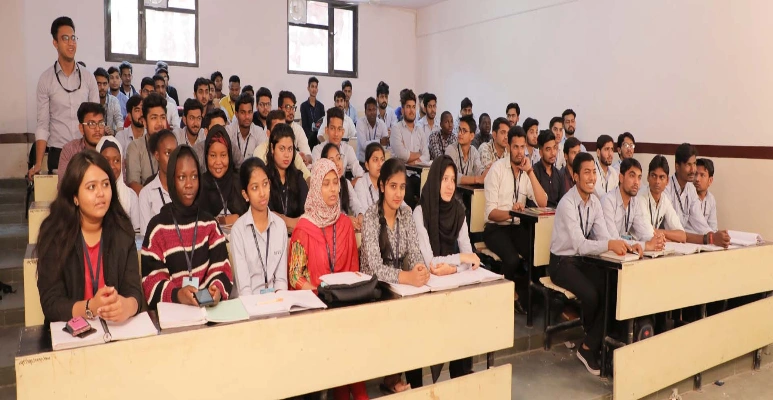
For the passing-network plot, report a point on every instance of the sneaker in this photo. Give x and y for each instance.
(589, 361)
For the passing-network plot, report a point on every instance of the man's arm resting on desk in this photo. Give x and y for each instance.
(499, 215)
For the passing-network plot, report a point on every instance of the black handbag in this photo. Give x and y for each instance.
(341, 295)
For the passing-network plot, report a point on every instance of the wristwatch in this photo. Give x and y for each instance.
(89, 314)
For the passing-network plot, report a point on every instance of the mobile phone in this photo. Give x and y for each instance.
(204, 298)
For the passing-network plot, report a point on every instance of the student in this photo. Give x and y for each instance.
(91, 123)
(439, 141)
(114, 89)
(508, 184)
(220, 187)
(192, 133)
(350, 110)
(137, 127)
(217, 81)
(465, 156)
(390, 247)
(260, 259)
(571, 148)
(312, 112)
(681, 191)
(531, 126)
(429, 103)
(109, 147)
(172, 116)
(212, 119)
(625, 147)
(286, 100)
(228, 103)
(350, 203)
(545, 170)
(156, 194)
(497, 148)
(465, 109)
(606, 177)
(87, 258)
(140, 165)
(113, 117)
(370, 129)
(513, 113)
(162, 68)
(557, 127)
(385, 112)
(580, 230)
(658, 208)
(703, 180)
(171, 246)
(201, 94)
(288, 188)
(568, 123)
(335, 129)
(350, 130)
(246, 135)
(623, 214)
(408, 144)
(367, 187)
(484, 133)
(263, 107)
(274, 118)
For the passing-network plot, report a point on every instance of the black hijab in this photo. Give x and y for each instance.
(443, 219)
(227, 186)
(180, 212)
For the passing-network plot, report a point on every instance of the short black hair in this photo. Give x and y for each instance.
(684, 152)
(157, 78)
(101, 72)
(125, 65)
(556, 120)
(88, 107)
(369, 101)
(708, 164)
(192, 104)
(215, 75)
(133, 101)
(339, 94)
(158, 137)
(60, 22)
(200, 82)
(212, 114)
(147, 81)
(334, 112)
(427, 98)
(571, 143)
(484, 115)
(313, 79)
(248, 88)
(405, 95)
(263, 92)
(244, 98)
(346, 84)
(152, 101)
(382, 88)
(629, 163)
(621, 138)
(234, 78)
(443, 115)
(529, 122)
(285, 94)
(111, 70)
(579, 159)
(466, 102)
(515, 106)
(470, 123)
(514, 132)
(274, 115)
(603, 140)
(545, 137)
(658, 162)
(568, 111)
(499, 121)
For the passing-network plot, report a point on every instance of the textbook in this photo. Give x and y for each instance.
(174, 315)
(744, 238)
(135, 327)
(690, 248)
(281, 302)
(344, 278)
(611, 255)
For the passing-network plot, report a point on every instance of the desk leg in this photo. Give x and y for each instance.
(698, 379)
(758, 352)
(529, 303)
(604, 346)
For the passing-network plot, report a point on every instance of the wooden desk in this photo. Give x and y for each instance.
(540, 231)
(285, 356)
(38, 211)
(45, 187)
(33, 312)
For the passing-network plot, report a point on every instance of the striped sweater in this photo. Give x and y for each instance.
(164, 262)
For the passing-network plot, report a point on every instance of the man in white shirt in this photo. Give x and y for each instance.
(531, 126)
(334, 130)
(172, 116)
(192, 134)
(408, 144)
(61, 90)
(656, 208)
(703, 180)
(245, 136)
(606, 179)
(625, 147)
(580, 230)
(286, 102)
(370, 129)
(349, 108)
(113, 117)
(350, 130)
(465, 110)
(385, 112)
(497, 148)
(428, 122)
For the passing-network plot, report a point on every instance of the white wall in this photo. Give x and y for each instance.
(666, 70)
(12, 67)
(247, 38)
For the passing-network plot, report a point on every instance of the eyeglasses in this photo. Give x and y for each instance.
(68, 38)
(92, 124)
(290, 107)
(629, 146)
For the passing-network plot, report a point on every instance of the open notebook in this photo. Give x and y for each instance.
(344, 278)
(438, 283)
(135, 327)
(690, 248)
(611, 255)
(281, 302)
(174, 315)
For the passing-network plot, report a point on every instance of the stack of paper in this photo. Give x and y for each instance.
(744, 238)
(406, 290)
(683, 248)
(611, 255)
(135, 327)
(344, 278)
(173, 315)
(282, 302)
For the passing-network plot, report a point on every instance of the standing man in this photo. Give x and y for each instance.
(370, 129)
(513, 112)
(625, 146)
(385, 112)
(61, 90)
(346, 87)
(162, 69)
(428, 123)
(113, 117)
(217, 80)
(465, 110)
(228, 103)
(312, 112)
(172, 116)
(286, 103)
(114, 82)
(484, 131)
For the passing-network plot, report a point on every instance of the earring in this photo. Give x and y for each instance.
(76, 203)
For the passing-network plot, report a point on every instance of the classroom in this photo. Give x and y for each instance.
(398, 199)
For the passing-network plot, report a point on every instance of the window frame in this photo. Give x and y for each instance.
(142, 39)
(331, 71)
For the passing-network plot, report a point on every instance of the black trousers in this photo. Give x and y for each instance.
(507, 242)
(456, 368)
(53, 158)
(414, 378)
(587, 283)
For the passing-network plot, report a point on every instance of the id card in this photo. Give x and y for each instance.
(266, 290)
(626, 237)
(191, 281)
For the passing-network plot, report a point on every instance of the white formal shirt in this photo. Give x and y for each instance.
(606, 183)
(350, 130)
(389, 118)
(366, 192)
(463, 241)
(152, 198)
(356, 207)
(428, 130)
(471, 166)
(259, 260)
(661, 215)
(500, 189)
(709, 207)
(172, 115)
(182, 136)
(560, 158)
(688, 206)
(533, 155)
(579, 227)
(348, 158)
(627, 223)
(367, 134)
(126, 136)
(404, 141)
(113, 117)
(242, 147)
(301, 141)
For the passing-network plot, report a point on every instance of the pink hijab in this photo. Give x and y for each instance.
(316, 211)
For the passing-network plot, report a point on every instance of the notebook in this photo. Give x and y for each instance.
(659, 253)
(690, 248)
(403, 290)
(174, 315)
(282, 302)
(744, 238)
(611, 255)
(464, 278)
(135, 327)
(344, 278)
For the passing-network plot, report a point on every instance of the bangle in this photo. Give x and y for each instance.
(711, 237)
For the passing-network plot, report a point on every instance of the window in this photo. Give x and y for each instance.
(322, 38)
(145, 31)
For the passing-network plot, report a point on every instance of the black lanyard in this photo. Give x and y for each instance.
(628, 217)
(330, 260)
(515, 185)
(239, 143)
(94, 277)
(679, 196)
(603, 177)
(260, 255)
(370, 190)
(396, 249)
(80, 79)
(585, 231)
(462, 166)
(150, 160)
(367, 125)
(286, 198)
(225, 205)
(655, 221)
(188, 259)
(161, 195)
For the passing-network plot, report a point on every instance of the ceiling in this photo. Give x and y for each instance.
(415, 4)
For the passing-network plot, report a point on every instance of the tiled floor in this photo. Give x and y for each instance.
(757, 385)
